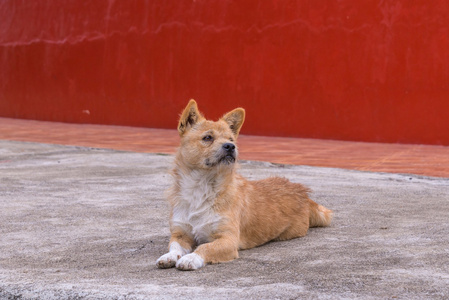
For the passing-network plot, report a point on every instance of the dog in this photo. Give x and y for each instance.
(214, 211)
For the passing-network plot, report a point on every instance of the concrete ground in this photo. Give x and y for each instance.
(90, 223)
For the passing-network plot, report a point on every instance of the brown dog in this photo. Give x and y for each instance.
(215, 211)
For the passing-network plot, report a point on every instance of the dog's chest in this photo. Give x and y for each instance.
(195, 212)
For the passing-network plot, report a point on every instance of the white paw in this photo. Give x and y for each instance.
(168, 260)
(190, 262)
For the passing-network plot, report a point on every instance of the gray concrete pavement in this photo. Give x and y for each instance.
(90, 224)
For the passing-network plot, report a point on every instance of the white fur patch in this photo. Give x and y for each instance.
(169, 260)
(194, 212)
(190, 262)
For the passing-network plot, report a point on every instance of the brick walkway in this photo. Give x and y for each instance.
(394, 158)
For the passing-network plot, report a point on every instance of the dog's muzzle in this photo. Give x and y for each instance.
(226, 155)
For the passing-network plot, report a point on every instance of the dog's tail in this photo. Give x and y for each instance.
(320, 216)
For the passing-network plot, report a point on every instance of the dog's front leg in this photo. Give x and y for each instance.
(222, 249)
(180, 244)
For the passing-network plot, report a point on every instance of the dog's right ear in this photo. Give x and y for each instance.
(189, 117)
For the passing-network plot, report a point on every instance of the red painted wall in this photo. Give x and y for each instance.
(353, 70)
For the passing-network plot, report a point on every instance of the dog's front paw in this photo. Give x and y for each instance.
(167, 260)
(190, 262)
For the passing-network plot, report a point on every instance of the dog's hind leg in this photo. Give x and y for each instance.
(298, 228)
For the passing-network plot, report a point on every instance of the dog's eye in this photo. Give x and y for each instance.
(208, 138)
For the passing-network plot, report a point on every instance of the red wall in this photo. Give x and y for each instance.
(353, 70)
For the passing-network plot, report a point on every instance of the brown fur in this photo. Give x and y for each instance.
(239, 214)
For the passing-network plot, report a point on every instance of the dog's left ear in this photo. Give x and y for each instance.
(235, 119)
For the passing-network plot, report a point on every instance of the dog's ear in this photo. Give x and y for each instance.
(235, 119)
(189, 117)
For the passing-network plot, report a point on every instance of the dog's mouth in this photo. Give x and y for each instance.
(227, 159)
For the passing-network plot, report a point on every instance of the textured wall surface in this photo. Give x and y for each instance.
(354, 70)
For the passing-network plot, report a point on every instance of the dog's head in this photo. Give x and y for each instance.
(206, 144)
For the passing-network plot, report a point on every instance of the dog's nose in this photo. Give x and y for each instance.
(229, 147)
